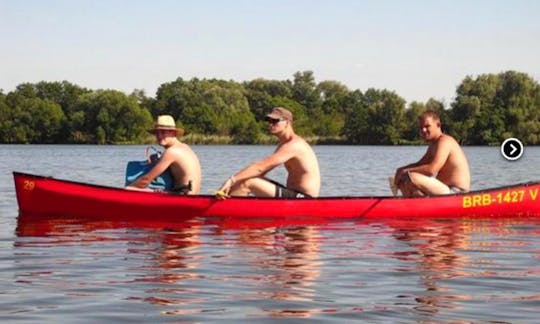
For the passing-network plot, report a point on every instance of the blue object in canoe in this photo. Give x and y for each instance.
(135, 169)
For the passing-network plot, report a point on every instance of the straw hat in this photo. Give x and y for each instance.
(166, 122)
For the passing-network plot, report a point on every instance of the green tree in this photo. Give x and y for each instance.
(305, 91)
(261, 92)
(356, 123)
(31, 119)
(492, 107)
(109, 116)
(63, 93)
(410, 121)
(175, 97)
(330, 118)
(377, 119)
(142, 99)
(519, 98)
(213, 107)
(7, 134)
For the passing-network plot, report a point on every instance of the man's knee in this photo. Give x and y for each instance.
(415, 177)
(428, 185)
(251, 184)
(406, 180)
(411, 183)
(248, 183)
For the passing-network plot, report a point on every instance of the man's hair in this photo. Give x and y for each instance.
(429, 113)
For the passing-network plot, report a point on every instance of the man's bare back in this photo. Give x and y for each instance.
(303, 168)
(184, 166)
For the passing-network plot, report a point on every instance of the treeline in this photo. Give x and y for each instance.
(486, 110)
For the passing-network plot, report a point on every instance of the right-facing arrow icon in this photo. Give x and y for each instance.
(512, 149)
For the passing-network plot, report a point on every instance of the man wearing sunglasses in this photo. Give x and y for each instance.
(293, 152)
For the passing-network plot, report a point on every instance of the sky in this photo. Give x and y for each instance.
(419, 49)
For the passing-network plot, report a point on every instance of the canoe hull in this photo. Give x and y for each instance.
(45, 195)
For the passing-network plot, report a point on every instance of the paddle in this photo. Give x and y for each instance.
(151, 158)
(393, 186)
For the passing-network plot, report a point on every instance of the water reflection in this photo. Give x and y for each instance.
(168, 259)
(441, 250)
(283, 261)
(290, 255)
(290, 261)
(202, 266)
(174, 255)
(437, 250)
(146, 252)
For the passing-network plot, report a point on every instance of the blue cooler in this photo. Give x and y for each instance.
(135, 169)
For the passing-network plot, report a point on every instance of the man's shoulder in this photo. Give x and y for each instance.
(181, 146)
(298, 142)
(445, 138)
(294, 147)
(177, 148)
(449, 142)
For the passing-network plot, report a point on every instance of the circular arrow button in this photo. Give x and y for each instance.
(512, 149)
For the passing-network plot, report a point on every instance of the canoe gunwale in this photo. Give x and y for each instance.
(472, 192)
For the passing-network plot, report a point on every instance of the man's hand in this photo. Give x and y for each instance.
(398, 177)
(223, 192)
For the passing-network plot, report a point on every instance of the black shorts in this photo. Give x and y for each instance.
(284, 192)
(456, 190)
(182, 190)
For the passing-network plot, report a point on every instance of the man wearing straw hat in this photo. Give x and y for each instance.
(178, 157)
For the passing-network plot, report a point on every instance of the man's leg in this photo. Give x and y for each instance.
(260, 187)
(407, 188)
(428, 185)
(410, 190)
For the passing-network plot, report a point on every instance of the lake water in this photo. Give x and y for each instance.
(443, 271)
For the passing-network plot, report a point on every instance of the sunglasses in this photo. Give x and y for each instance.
(164, 131)
(273, 121)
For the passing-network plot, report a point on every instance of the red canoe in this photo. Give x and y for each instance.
(46, 195)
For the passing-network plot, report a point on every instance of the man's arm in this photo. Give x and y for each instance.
(163, 163)
(430, 164)
(259, 168)
(439, 156)
(401, 170)
(256, 169)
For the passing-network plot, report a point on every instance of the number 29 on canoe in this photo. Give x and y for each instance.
(29, 185)
(500, 198)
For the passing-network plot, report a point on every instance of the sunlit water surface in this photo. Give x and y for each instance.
(215, 270)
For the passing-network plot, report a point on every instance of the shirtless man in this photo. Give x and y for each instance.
(178, 157)
(442, 170)
(293, 152)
